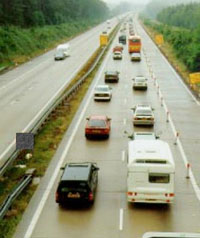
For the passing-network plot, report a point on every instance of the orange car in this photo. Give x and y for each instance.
(98, 126)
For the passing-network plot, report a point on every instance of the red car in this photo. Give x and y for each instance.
(118, 48)
(97, 126)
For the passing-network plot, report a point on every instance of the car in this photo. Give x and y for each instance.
(143, 115)
(140, 82)
(98, 126)
(136, 56)
(157, 234)
(103, 92)
(78, 183)
(59, 55)
(117, 55)
(122, 39)
(118, 48)
(111, 76)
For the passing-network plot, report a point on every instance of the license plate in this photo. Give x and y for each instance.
(96, 131)
(73, 195)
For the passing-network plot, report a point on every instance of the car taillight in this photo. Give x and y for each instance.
(131, 193)
(106, 131)
(57, 197)
(91, 196)
(169, 194)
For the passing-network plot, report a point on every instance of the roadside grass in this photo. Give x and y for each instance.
(46, 144)
(169, 53)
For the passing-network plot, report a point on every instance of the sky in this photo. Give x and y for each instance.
(131, 1)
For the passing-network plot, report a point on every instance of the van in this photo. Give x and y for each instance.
(150, 172)
(62, 51)
(78, 183)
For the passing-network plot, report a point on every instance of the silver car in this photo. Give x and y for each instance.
(143, 115)
(140, 83)
(103, 92)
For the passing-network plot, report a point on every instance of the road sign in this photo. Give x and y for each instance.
(159, 39)
(103, 40)
(195, 78)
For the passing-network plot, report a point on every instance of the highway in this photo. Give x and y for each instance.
(26, 91)
(111, 215)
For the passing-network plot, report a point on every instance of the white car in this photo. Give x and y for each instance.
(136, 57)
(103, 92)
(117, 55)
(143, 115)
(140, 82)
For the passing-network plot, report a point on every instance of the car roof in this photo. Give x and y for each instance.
(76, 172)
(143, 106)
(140, 76)
(98, 117)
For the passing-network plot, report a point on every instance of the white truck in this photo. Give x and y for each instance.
(62, 51)
(150, 172)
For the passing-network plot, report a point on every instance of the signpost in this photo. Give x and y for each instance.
(103, 40)
(194, 78)
(159, 39)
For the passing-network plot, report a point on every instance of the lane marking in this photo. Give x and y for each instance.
(48, 189)
(125, 101)
(121, 212)
(179, 144)
(124, 121)
(123, 155)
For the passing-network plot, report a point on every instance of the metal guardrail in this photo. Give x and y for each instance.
(57, 102)
(15, 193)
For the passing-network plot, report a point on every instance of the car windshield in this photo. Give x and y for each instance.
(141, 80)
(97, 123)
(143, 112)
(102, 89)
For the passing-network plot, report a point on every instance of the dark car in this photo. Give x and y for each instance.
(77, 183)
(111, 76)
(122, 39)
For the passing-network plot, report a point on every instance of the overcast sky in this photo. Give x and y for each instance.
(132, 1)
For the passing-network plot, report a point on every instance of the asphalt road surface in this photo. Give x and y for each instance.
(26, 91)
(111, 215)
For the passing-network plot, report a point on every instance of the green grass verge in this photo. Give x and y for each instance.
(168, 50)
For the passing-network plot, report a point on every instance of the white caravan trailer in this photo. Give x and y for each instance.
(151, 172)
(64, 48)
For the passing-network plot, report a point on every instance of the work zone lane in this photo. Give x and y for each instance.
(183, 214)
(26, 98)
(182, 105)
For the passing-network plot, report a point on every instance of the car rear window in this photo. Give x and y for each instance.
(142, 112)
(141, 80)
(69, 186)
(102, 89)
(97, 123)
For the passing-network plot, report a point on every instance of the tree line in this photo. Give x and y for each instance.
(187, 16)
(185, 43)
(28, 13)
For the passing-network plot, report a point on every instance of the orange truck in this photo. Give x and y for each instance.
(134, 44)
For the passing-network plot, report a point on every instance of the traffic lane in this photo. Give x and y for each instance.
(182, 106)
(105, 214)
(45, 58)
(159, 217)
(49, 80)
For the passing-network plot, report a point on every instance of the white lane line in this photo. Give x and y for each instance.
(121, 212)
(173, 70)
(48, 189)
(123, 155)
(124, 121)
